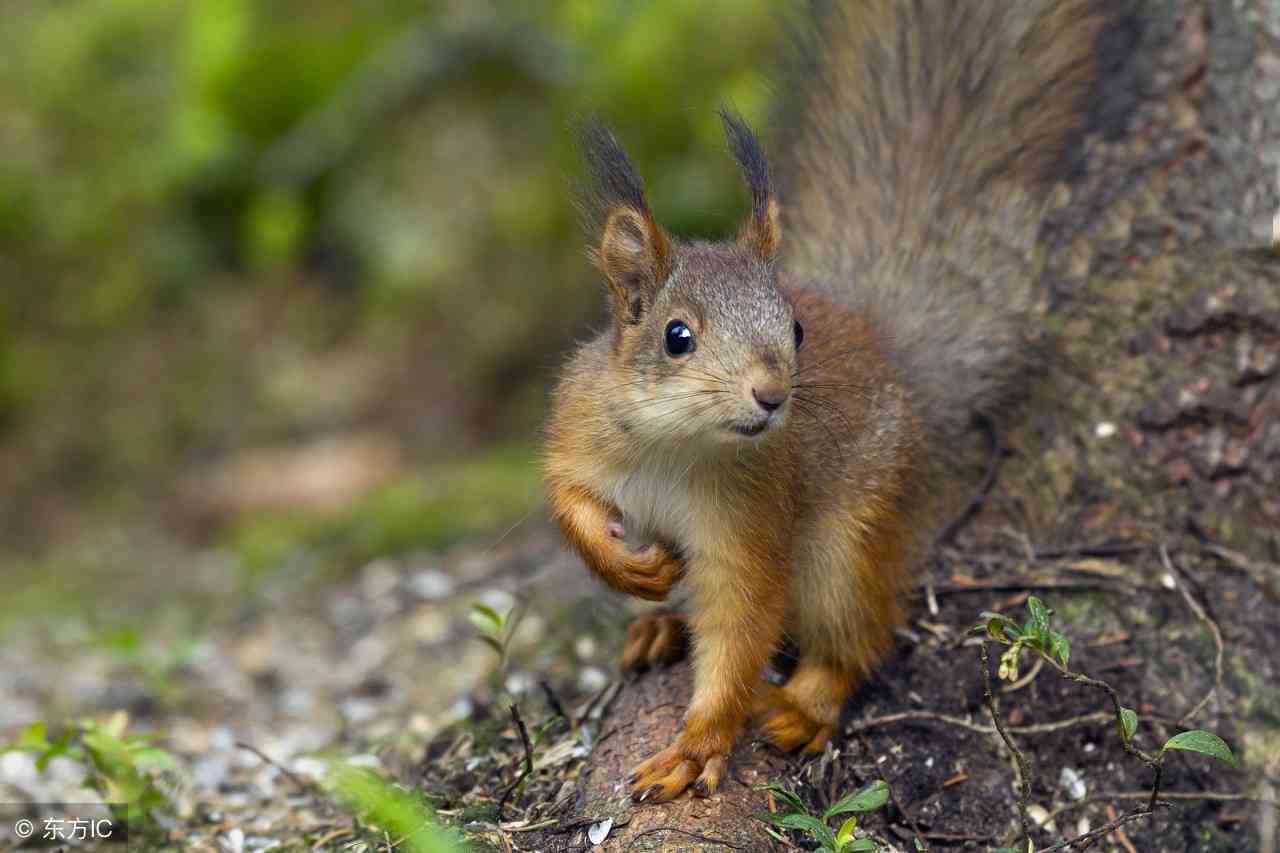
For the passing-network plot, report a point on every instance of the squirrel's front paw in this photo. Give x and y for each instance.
(647, 574)
(666, 775)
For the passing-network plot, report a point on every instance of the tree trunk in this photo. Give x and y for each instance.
(1184, 158)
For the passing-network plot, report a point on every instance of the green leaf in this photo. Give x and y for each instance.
(154, 758)
(1040, 614)
(62, 746)
(862, 845)
(811, 826)
(999, 626)
(868, 799)
(845, 834)
(1060, 646)
(789, 797)
(1206, 743)
(34, 736)
(1128, 723)
(485, 618)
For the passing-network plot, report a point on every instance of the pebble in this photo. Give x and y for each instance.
(1073, 781)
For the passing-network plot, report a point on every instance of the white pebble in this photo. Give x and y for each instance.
(1073, 781)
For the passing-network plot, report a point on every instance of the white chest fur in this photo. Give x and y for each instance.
(655, 503)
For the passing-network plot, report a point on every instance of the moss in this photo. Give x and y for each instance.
(478, 497)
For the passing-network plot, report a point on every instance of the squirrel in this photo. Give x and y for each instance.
(772, 414)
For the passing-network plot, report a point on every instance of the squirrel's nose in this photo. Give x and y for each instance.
(770, 397)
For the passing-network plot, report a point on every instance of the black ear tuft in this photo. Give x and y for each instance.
(614, 181)
(633, 252)
(763, 231)
(750, 156)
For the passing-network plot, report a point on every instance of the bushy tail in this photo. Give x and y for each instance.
(929, 134)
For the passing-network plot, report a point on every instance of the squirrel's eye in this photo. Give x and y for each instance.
(679, 338)
(799, 334)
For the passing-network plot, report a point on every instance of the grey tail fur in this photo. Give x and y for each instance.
(929, 134)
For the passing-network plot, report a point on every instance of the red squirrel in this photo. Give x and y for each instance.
(769, 412)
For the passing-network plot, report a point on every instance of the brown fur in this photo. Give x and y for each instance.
(917, 177)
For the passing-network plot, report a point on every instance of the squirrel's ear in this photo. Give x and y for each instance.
(634, 256)
(634, 252)
(763, 232)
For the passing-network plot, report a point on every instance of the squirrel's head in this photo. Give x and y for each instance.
(704, 339)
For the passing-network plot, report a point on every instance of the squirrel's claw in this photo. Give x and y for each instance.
(666, 775)
(789, 728)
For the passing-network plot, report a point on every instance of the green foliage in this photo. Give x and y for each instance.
(482, 495)
(1036, 634)
(196, 191)
(123, 769)
(1205, 743)
(496, 630)
(870, 798)
(1128, 723)
(391, 811)
(800, 819)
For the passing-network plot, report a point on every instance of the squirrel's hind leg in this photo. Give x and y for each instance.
(845, 609)
(655, 639)
(805, 711)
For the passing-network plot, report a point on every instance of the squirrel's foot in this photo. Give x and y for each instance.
(787, 726)
(666, 775)
(805, 711)
(655, 639)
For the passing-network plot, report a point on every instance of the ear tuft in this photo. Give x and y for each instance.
(634, 252)
(762, 233)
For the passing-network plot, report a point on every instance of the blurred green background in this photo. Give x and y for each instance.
(282, 271)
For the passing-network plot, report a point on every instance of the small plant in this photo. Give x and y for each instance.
(496, 629)
(394, 812)
(840, 840)
(1037, 634)
(123, 769)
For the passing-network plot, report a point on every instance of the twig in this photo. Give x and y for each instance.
(1155, 762)
(915, 827)
(1024, 788)
(297, 780)
(1202, 614)
(932, 717)
(1105, 829)
(1016, 585)
(554, 701)
(1112, 814)
(1117, 549)
(528, 760)
(980, 496)
(1198, 796)
(585, 711)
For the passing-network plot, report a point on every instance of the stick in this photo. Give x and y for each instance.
(1024, 786)
(1202, 614)
(528, 760)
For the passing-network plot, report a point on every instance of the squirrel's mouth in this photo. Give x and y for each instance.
(750, 430)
